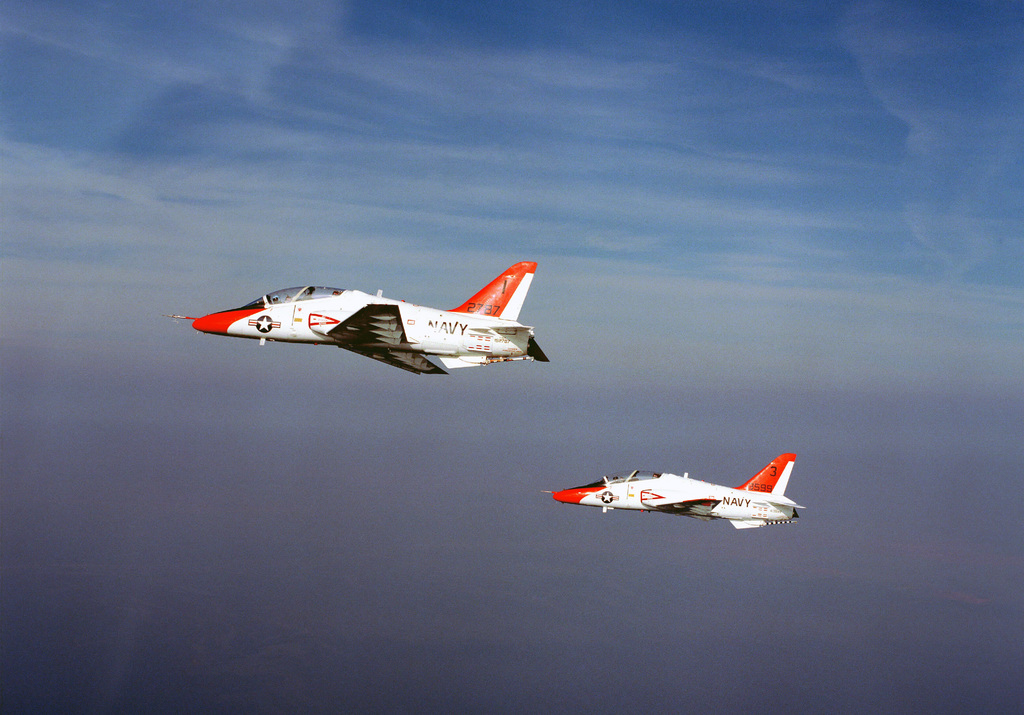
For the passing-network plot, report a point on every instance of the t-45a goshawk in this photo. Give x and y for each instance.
(481, 331)
(758, 502)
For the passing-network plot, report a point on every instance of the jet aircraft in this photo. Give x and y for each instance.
(757, 502)
(481, 331)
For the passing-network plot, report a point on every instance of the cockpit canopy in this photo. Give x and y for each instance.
(619, 477)
(291, 295)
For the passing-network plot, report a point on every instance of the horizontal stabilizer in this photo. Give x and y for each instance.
(534, 351)
(778, 500)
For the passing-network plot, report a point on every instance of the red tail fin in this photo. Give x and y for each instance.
(503, 297)
(774, 477)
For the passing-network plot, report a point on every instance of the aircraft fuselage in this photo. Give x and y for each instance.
(760, 501)
(427, 330)
(483, 330)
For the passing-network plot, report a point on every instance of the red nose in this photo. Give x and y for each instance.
(220, 322)
(572, 496)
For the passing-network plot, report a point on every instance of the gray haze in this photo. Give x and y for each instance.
(283, 527)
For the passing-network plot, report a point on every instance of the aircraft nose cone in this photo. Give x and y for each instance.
(571, 496)
(220, 322)
(209, 324)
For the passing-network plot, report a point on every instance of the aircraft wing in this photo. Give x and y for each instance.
(698, 508)
(373, 327)
(413, 362)
(376, 331)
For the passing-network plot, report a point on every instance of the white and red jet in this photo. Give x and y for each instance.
(758, 502)
(481, 331)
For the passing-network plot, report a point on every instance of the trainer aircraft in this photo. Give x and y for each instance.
(481, 331)
(760, 501)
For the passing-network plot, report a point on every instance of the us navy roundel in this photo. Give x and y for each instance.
(264, 324)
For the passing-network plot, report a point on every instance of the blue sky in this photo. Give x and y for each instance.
(859, 164)
(759, 228)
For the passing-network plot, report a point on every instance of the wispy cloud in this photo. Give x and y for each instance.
(954, 80)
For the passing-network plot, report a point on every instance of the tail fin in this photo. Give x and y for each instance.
(774, 477)
(503, 297)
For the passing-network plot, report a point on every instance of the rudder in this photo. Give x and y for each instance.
(504, 296)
